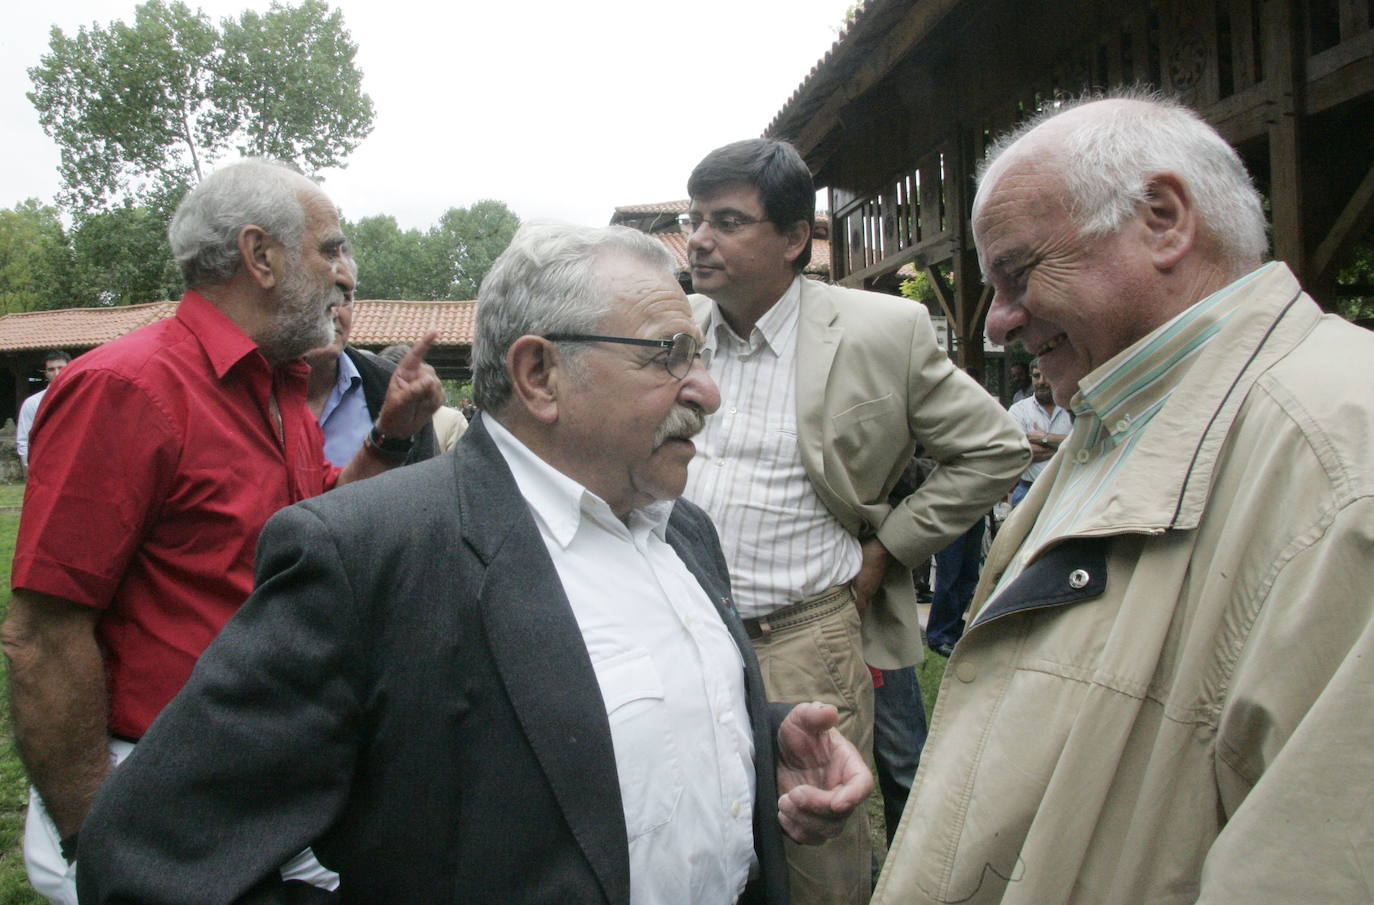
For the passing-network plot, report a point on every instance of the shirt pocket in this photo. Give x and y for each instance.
(646, 760)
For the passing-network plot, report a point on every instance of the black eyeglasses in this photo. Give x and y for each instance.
(682, 348)
(726, 225)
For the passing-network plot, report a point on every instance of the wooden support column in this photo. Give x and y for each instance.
(968, 277)
(968, 289)
(1285, 65)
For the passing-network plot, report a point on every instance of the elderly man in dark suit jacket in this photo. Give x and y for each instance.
(512, 675)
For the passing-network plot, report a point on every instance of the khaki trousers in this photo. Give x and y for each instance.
(818, 656)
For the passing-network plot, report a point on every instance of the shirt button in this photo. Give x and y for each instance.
(1081, 457)
(733, 409)
(1122, 424)
(965, 671)
(720, 463)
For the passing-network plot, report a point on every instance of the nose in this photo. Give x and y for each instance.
(698, 388)
(345, 275)
(701, 237)
(1005, 320)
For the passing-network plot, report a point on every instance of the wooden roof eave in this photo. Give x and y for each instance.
(874, 45)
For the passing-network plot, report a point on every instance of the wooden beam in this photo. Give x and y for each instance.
(1351, 224)
(938, 249)
(876, 64)
(1285, 58)
(944, 295)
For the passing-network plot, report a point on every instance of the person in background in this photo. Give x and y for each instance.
(1019, 377)
(347, 390)
(1046, 424)
(449, 423)
(53, 363)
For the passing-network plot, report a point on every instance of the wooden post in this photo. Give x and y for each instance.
(1285, 65)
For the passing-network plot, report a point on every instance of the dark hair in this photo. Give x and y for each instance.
(775, 169)
(55, 355)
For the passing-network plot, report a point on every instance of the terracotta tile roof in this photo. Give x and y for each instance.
(377, 322)
(381, 322)
(661, 207)
(76, 328)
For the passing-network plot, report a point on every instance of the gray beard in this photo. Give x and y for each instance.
(302, 321)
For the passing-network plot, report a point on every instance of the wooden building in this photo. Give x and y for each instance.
(895, 118)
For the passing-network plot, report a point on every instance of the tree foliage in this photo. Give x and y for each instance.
(35, 259)
(122, 257)
(448, 261)
(1355, 286)
(140, 110)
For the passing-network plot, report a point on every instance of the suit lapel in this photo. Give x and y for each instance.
(818, 339)
(539, 652)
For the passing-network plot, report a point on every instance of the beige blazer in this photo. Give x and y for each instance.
(871, 384)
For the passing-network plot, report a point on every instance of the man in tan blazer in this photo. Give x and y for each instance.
(825, 393)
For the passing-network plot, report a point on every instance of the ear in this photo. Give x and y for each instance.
(798, 235)
(261, 256)
(537, 376)
(1170, 220)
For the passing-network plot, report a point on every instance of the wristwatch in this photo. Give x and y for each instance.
(394, 449)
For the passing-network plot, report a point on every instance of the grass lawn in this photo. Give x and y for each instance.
(14, 794)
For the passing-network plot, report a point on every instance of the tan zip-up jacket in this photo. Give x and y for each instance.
(1174, 706)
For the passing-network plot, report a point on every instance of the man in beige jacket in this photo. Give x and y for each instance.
(1164, 694)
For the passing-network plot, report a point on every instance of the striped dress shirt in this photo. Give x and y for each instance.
(1112, 410)
(781, 543)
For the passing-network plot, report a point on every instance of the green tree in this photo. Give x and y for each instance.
(139, 111)
(1355, 286)
(448, 261)
(392, 263)
(35, 259)
(469, 240)
(287, 81)
(121, 257)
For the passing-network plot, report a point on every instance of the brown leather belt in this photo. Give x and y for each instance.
(817, 606)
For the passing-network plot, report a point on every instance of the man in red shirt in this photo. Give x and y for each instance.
(162, 454)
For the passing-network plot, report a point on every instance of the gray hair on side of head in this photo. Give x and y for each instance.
(1107, 158)
(204, 233)
(545, 282)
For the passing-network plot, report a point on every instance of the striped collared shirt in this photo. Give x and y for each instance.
(780, 541)
(1112, 410)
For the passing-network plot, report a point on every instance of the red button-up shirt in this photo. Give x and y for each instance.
(156, 460)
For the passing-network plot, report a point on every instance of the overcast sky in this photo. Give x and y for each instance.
(559, 109)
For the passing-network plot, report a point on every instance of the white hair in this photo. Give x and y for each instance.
(204, 233)
(545, 282)
(1106, 158)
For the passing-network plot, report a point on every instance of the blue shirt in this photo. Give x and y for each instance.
(345, 419)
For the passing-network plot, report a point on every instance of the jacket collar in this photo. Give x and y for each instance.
(538, 650)
(1166, 481)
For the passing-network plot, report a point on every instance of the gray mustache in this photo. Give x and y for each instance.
(682, 423)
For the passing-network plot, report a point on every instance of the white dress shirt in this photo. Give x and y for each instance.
(781, 542)
(672, 680)
(27, 411)
(1031, 416)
